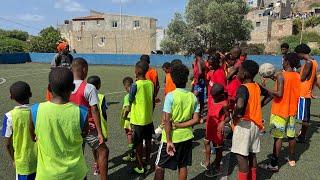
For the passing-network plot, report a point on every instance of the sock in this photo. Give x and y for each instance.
(252, 174)
(242, 176)
(130, 148)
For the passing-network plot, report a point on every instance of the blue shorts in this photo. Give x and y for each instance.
(304, 109)
(26, 177)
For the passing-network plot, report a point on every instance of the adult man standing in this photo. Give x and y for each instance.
(63, 58)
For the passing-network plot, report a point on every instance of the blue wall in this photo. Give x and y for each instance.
(113, 59)
(120, 59)
(15, 58)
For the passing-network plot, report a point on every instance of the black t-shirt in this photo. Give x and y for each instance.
(243, 93)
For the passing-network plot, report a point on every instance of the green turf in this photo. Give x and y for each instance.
(36, 75)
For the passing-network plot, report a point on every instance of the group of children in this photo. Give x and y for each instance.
(46, 140)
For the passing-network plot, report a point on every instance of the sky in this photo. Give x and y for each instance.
(34, 15)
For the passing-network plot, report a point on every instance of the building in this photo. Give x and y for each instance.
(110, 33)
(161, 34)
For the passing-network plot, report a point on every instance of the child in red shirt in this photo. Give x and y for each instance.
(217, 114)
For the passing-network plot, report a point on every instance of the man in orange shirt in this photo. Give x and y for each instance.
(284, 109)
(152, 74)
(308, 77)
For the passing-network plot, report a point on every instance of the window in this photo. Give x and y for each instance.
(280, 27)
(258, 24)
(136, 24)
(83, 23)
(103, 39)
(114, 24)
(79, 38)
(98, 22)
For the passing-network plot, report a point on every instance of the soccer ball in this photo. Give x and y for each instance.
(267, 70)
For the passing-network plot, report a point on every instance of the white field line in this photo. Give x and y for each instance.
(2, 80)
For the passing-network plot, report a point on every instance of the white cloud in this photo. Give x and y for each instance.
(30, 17)
(69, 6)
(129, 1)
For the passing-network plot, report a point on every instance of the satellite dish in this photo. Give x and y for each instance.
(101, 44)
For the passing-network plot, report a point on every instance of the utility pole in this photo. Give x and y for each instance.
(302, 29)
(121, 28)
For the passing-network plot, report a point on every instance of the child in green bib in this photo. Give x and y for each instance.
(20, 146)
(141, 98)
(59, 126)
(125, 119)
(180, 113)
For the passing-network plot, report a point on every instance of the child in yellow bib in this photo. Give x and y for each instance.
(20, 146)
(125, 119)
(180, 113)
(59, 126)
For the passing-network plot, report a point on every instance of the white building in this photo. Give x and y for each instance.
(160, 35)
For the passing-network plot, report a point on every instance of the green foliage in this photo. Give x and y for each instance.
(254, 49)
(46, 41)
(13, 41)
(309, 22)
(11, 45)
(294, 40)
(208, 23)
(15, 34)
(312, 21)
(313, 5)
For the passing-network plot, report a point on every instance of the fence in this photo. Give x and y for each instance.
(113, 59)
(15, 58)
(121, 59)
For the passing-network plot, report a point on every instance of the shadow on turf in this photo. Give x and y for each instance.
(300, 149)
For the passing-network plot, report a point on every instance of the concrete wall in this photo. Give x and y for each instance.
(98, 36)
(281, 28)
(261, 32)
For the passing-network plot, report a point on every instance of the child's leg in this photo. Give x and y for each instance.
(159, 173)
(103, 154)
(95, 155)
(292, 147)
(148, 151)
(243, 163)
(253, 166)
(276, 151)
(183, 173)
(139, 154)
(218, 159)
(207, 149)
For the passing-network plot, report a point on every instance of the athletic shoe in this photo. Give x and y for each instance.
(214, 173)
(138, 171)
(202, 164)
(269, 167)
(95, 169)
(128, 158)
(301, 140)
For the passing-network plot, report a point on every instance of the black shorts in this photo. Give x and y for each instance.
(304, 106)
(182, 157)
(141, 133)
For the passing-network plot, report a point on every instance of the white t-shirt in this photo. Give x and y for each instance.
(90, 92)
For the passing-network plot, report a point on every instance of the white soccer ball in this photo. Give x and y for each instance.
(267, 70)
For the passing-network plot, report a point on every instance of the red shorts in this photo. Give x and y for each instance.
(212, 133)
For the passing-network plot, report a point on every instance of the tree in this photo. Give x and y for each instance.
(210, 23)
(46, 41)
(11, 45)
(294, 40)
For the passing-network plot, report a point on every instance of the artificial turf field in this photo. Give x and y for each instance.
(36, 75)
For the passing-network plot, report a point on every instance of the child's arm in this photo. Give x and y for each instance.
(227, 118)
(233, 71)
(168, 128)
(32, 129)
(85, 129)
(241, 101)
(126, 112)
(10, 147)
(306, 71)
(191, 122)
(104, 108)
(280, 83)
(96, 117)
